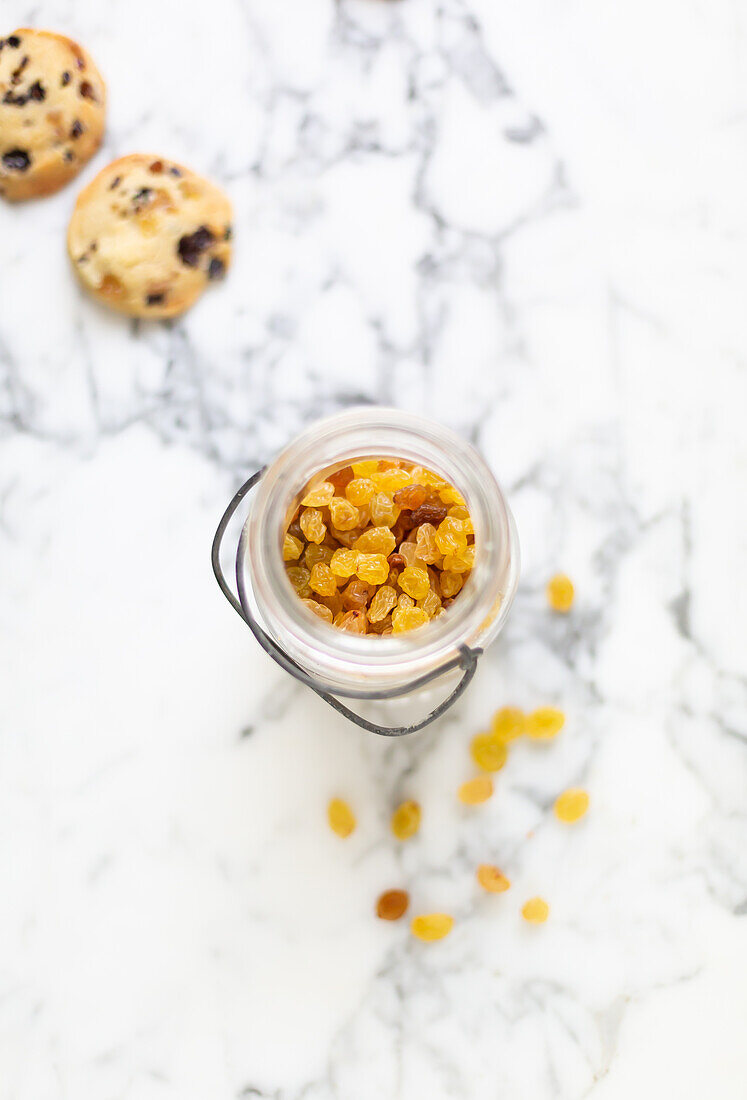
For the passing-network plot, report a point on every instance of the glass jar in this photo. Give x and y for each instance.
(366, 667)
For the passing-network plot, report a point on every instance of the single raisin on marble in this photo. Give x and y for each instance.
(217, 268)
(37, 91)
(192, 245)
(16, 160)
(76, 129)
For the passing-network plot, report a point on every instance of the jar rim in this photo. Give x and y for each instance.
(340, 657)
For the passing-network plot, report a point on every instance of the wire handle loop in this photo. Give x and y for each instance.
(467, 658)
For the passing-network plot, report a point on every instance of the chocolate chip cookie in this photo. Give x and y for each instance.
(52, 112)
(148, 235)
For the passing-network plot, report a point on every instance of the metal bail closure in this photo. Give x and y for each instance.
(466, 660)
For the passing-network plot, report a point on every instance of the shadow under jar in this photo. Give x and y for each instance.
(403, 672)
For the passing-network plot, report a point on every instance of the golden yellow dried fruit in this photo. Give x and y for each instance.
(292, 548)
(364, 467)
(344, 562)
(488, 752)
(491, 879)
(535, 911)
(476, 790)
(571, 805)
(343, 515)
(560, 593)
(312, 524)
(414, 581)
(319, 609)
(353, 519)
(508, 723)
(322, 580)
(545, 723)
(430, 927)
(373, 568)
(408, 618)
(341, 818)
(406, 820)
(319, 495)
(360, 490)
(376, 540)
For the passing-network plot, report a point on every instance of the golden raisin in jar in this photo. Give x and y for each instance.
(380, 525)
(392, 904)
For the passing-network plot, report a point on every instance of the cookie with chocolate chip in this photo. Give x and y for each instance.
(52, 112)
(148, 235)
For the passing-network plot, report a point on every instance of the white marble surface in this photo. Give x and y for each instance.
(528, 220)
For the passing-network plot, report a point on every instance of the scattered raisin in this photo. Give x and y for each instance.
(65, 79)
(535, 911)
(174, 171)
(432, 926)
(217, 268)
(545, 723)
(155, 299)
(392, 904)
(156, 167)
(560, 593)
(37, 91)
(476, 790)
(115, 183)
(76, 129)
(341, 818)
(491, 879)
(86, 90)
(571, 805)
(508, 723)
(406, 820)
(192, 245)
(488, 752)
(13, 41)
